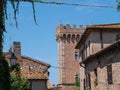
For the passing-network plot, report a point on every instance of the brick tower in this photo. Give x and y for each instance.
(67, 38)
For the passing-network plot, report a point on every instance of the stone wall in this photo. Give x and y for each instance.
(92, 41)
(101, 63)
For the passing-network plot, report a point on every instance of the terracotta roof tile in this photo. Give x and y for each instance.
(114, 25)
(35, 60)
(32, 75)
(25, 71)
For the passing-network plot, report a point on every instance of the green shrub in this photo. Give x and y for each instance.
(19, 83)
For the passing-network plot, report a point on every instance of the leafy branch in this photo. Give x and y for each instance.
(118, 5)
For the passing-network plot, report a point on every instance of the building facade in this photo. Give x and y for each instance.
(102, 70)
(34, 70)
(68, 58)
(94, 39)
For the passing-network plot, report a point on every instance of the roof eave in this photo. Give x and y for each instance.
(117, 43)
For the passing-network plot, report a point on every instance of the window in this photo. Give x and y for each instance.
(95, 72)
(109, 74)
(117, 37)
(86, 51)
(82, 54)
(96, 77)
(101, 38)
(89, 46)
(76, 57)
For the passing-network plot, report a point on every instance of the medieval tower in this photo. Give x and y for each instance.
(68, 58)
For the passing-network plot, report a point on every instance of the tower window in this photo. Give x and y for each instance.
(76, 55)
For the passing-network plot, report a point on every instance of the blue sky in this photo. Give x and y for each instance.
(39, 41)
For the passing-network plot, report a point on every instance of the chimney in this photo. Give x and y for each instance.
(17, 49)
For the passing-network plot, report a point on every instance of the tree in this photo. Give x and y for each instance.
(4, 75)
(19, 83)
(4, 69)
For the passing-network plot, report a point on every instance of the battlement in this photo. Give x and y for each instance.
(67, 27)
(67, 30)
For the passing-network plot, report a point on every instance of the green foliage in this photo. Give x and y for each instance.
(77, 81)
(118, 5)
(4, 75)
(87, 88)
(76, 88)
(19, 83)
(16, 69)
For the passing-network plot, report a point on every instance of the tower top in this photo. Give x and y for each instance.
(67, 29)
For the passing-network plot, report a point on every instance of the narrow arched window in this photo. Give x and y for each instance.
(76, 55)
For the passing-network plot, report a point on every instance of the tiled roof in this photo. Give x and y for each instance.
(35, 60)
(32, 59)
(109, 27)
(25, 72)
(114, 25)
(113, 46)
(32, 75)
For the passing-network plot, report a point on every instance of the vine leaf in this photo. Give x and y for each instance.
(33, 6)
(2, 27)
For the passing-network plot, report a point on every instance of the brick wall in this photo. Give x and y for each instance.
(101, 63)
(67, 38)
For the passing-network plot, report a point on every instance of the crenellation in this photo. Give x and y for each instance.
(68, 30)
(81, 27)
(74, 27)
(68, 27)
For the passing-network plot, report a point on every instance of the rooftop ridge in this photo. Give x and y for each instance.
(36, 60)
(105, 25)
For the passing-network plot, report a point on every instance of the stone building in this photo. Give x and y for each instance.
(68, 58)
(34, 70)
(97, 55)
